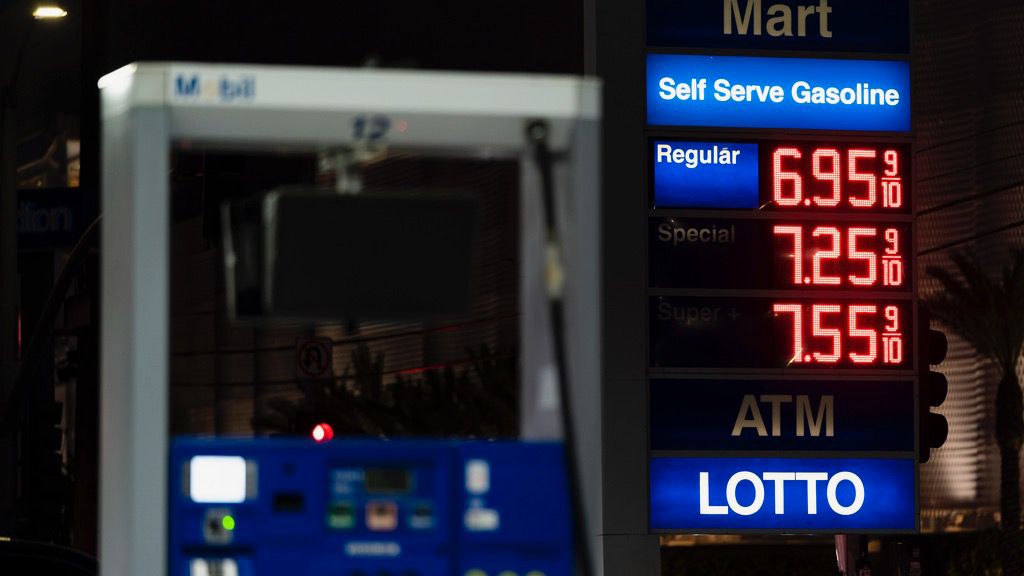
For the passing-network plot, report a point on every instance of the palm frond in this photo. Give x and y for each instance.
(986, 312)
(476, 401)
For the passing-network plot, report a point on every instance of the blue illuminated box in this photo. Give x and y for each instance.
(783, 494)
(434, 507)
(753, 92)
(705, 175)
(771, 415)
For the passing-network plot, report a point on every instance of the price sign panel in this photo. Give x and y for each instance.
(813, 242)
(780, 273)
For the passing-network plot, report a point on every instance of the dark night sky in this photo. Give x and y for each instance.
(50, 79)
(63, 59)
(531, 35)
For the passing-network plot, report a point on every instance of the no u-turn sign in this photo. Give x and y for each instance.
(314, 358)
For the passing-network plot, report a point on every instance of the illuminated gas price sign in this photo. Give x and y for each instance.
(780, 332)
(820, 218)
(780, 275)
(814, 177)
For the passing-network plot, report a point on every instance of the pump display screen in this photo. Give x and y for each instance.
(780, 332)
(784, 176)
(388, 480)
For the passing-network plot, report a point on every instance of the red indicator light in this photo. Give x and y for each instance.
(322, 432)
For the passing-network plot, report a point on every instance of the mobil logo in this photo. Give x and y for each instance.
(214, 88)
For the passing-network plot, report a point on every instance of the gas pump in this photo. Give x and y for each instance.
(198, 507)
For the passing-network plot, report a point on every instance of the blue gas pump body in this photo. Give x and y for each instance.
(368, 508)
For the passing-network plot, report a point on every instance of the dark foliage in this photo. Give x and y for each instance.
(477, 401)
(989, 314)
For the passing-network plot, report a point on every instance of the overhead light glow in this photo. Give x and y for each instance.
(48, 12)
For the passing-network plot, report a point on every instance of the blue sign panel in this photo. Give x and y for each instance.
(751, 415)
(782, 494)
(425, 507)
(881, 26)
(705, 175)
(751, 92)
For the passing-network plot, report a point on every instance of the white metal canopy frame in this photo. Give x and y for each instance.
(148, 108)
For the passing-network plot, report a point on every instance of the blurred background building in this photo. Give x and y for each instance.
(969, 152)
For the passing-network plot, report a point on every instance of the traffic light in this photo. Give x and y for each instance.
(931, 349)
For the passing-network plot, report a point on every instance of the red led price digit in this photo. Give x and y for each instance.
(831, 175)
(892, 261)
(830, 254)
(798, 329)
(786, 176)
(867, 178)
(892, 193)
(819, 331)
(869, 334)
(892, 163)
(869, 257)
(798, 249)
(892, 183)
(892, 338)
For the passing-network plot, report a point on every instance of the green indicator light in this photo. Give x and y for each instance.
(228, 522)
